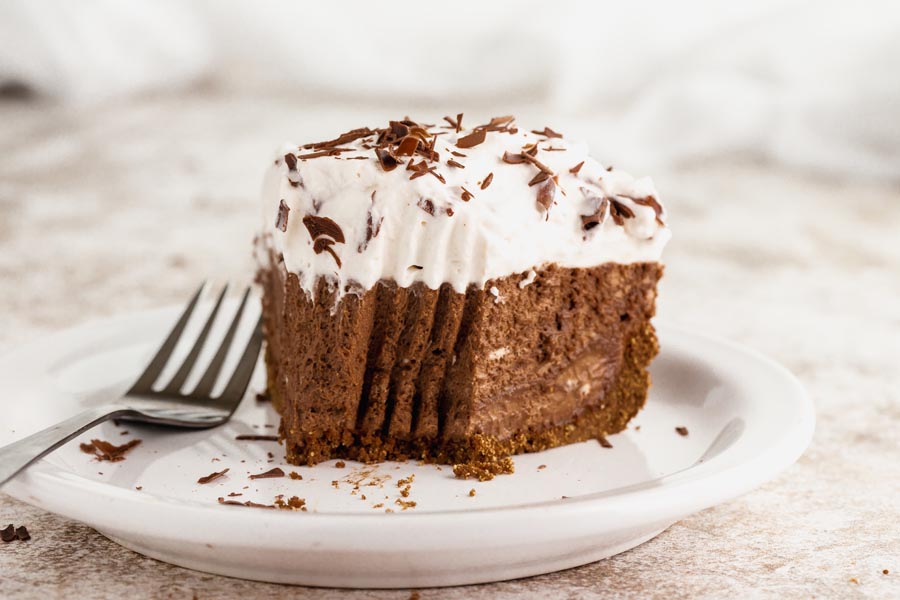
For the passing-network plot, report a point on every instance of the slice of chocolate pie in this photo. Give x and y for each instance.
(455, 294)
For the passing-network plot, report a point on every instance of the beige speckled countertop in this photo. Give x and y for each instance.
(128, 207)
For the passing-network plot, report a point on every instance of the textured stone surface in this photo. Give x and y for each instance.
(130, 207)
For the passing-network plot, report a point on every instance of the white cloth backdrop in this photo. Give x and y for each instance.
(814, 84)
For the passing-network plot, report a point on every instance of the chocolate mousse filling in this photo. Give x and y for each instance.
(530, 361)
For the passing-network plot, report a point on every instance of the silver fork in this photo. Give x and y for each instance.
(169, 406)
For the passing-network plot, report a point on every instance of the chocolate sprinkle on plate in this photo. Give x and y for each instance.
(604, 442)
(22, 534)
(257, 438)
(247, 503)
(103, 450)
(682, 431)
(211, 477)
(270, 474)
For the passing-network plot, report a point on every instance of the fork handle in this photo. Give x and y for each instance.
(18, 455)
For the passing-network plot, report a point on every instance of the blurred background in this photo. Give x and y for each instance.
(134, 136)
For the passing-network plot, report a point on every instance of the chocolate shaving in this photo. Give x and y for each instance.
(247, 503)
(609, 168)
(466, 195)
(211, 477)
(588, 222)
(471, 140)
(387, 160)
(604, 442)
(547, 132)
(321, 153)
(373, 227)
(501, 121)
(105, 451)
(345, 138)
(651, 202)
(281, 221)
(487, 181)
(291, 161)
(8, 533)
(552, 149)
(427, 205)
(530, 158)
(513, 159)
(456, 164)
(619, 211)
(574, 170)
(545, 195)
(540, 177)
(270, 474)
(407, 146)
(455, 123)
(457, 154)
(682, 431)
(22, 534)
(257, 438)
(323, 226)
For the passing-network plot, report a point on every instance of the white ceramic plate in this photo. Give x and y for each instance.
(747, 418)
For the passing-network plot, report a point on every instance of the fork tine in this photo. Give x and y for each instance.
(184, 370)
(144, 383)
(241, 378)
(205, 387)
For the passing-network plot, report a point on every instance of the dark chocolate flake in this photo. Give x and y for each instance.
(545, 195)
(547, 132)
(387, 160)
(513, 159)
(539, 178)
(619, 211)
(211, 477)
(291, 161)
(682, 431)
(487, 181)
(407, 146)
(604, 442)
(22, 533)
(456, 164)
(471, 140)
(105, 451)
(247, 503)
(270, 474)
(467, 195)
(344, 138)
(257, 438)
(652, 203)
(8, 533)
(427, 205)
(281, 220)
(574, 170)
(323, 226)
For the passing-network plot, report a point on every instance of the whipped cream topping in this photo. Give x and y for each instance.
(446, 204)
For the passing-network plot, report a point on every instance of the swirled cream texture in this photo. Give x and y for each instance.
(412, 203)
